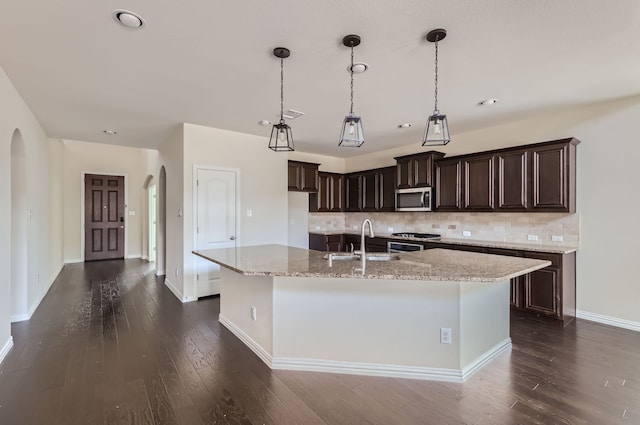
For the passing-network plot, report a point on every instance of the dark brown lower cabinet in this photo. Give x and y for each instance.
(319, 242)
(548, 292)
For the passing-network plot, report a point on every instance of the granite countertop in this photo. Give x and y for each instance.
(535, 247)
(428, 265)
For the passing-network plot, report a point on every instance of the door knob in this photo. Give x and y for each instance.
(233, 238)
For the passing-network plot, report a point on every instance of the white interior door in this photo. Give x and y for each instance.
(215, 222)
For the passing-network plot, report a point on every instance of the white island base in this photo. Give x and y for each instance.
(368, 326)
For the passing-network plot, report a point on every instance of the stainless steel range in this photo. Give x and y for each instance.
(396, 246)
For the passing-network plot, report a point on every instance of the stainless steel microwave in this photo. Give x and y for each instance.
(414, 199)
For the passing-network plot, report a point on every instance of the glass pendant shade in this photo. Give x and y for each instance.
(437, 131)
(281, 138)
(352, 132)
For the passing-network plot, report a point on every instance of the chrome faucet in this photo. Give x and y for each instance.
(362, 252)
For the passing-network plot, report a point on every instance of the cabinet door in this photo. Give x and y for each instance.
(353, 198)
(512, 180)
(387, 189)
(310, 177)
(316, 242)
(369, 191)
(295, 176)
(403, 171)
(336, 193)
(542, 292)
(422, 171)
(478, 183)
(324, 192)
(550, 178)
(448, 176)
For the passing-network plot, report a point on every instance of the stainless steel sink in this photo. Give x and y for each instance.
(382, 256)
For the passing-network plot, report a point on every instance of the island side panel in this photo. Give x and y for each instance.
(366, 321)
(484, 320)
(238, 294)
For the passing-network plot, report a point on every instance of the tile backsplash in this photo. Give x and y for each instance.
(548, 228)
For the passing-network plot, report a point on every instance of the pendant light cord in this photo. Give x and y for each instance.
(351, 69)
(436, 80)
(281, 90)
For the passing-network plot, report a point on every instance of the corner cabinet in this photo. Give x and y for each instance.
(330, 195)
(303, 176)
(371, 190)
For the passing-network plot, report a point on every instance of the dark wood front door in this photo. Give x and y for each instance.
(103, 217)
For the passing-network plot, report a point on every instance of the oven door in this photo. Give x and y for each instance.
(403, 247)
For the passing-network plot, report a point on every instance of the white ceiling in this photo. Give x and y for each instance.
(211, 63)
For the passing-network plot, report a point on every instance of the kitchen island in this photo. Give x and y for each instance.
(296, 310)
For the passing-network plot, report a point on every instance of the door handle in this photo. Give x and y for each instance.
(233, 238)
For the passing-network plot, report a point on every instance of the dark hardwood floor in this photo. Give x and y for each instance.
(110, 344)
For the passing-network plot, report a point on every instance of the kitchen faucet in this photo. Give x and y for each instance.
(362, 252)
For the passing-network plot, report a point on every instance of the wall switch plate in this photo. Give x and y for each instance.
(466, 233)
(445, 335)
(556, 238)
(176, 272)
(532, 237)
(249, 213)
(253, 312)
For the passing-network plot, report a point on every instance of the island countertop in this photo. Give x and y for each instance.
(428, 265)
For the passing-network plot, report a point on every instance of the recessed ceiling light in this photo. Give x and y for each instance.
(488, 102)
(265, 122)
(110, 132)
(405, 125)
(358, 67)
(128, 19)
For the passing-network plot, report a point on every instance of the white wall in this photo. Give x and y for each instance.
(43, 247)
(81, 158)
(172, 159)
(262, 187)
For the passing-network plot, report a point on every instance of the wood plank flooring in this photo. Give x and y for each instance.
(110, 344)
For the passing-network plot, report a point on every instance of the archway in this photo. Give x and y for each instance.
(19, 230)
(161, 230)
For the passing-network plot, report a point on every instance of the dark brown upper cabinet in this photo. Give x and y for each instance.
(448, 184)
(478, 179)
(371, 190)
(554, 176)
(330, 195)
(532, 178)
(512, 180)
(417, 170)
(303, 176)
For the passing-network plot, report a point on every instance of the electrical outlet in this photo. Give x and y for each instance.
(466, 233)
(253, 312)
(445, 335)
(176, 272)
(532, 237)
(556, 238)
(389, 229)
(38, 278)
(249, 213)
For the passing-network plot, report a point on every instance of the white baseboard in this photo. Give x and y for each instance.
(6, 348)
(248, 341)
(160, 273)
(34, 306)
(480, 362)
(608, 320)
(73, 261)
(368, 369)
(132, 256)
(173, 288)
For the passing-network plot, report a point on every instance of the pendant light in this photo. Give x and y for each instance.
(436, 132)
(281, 137)
(352, 134)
